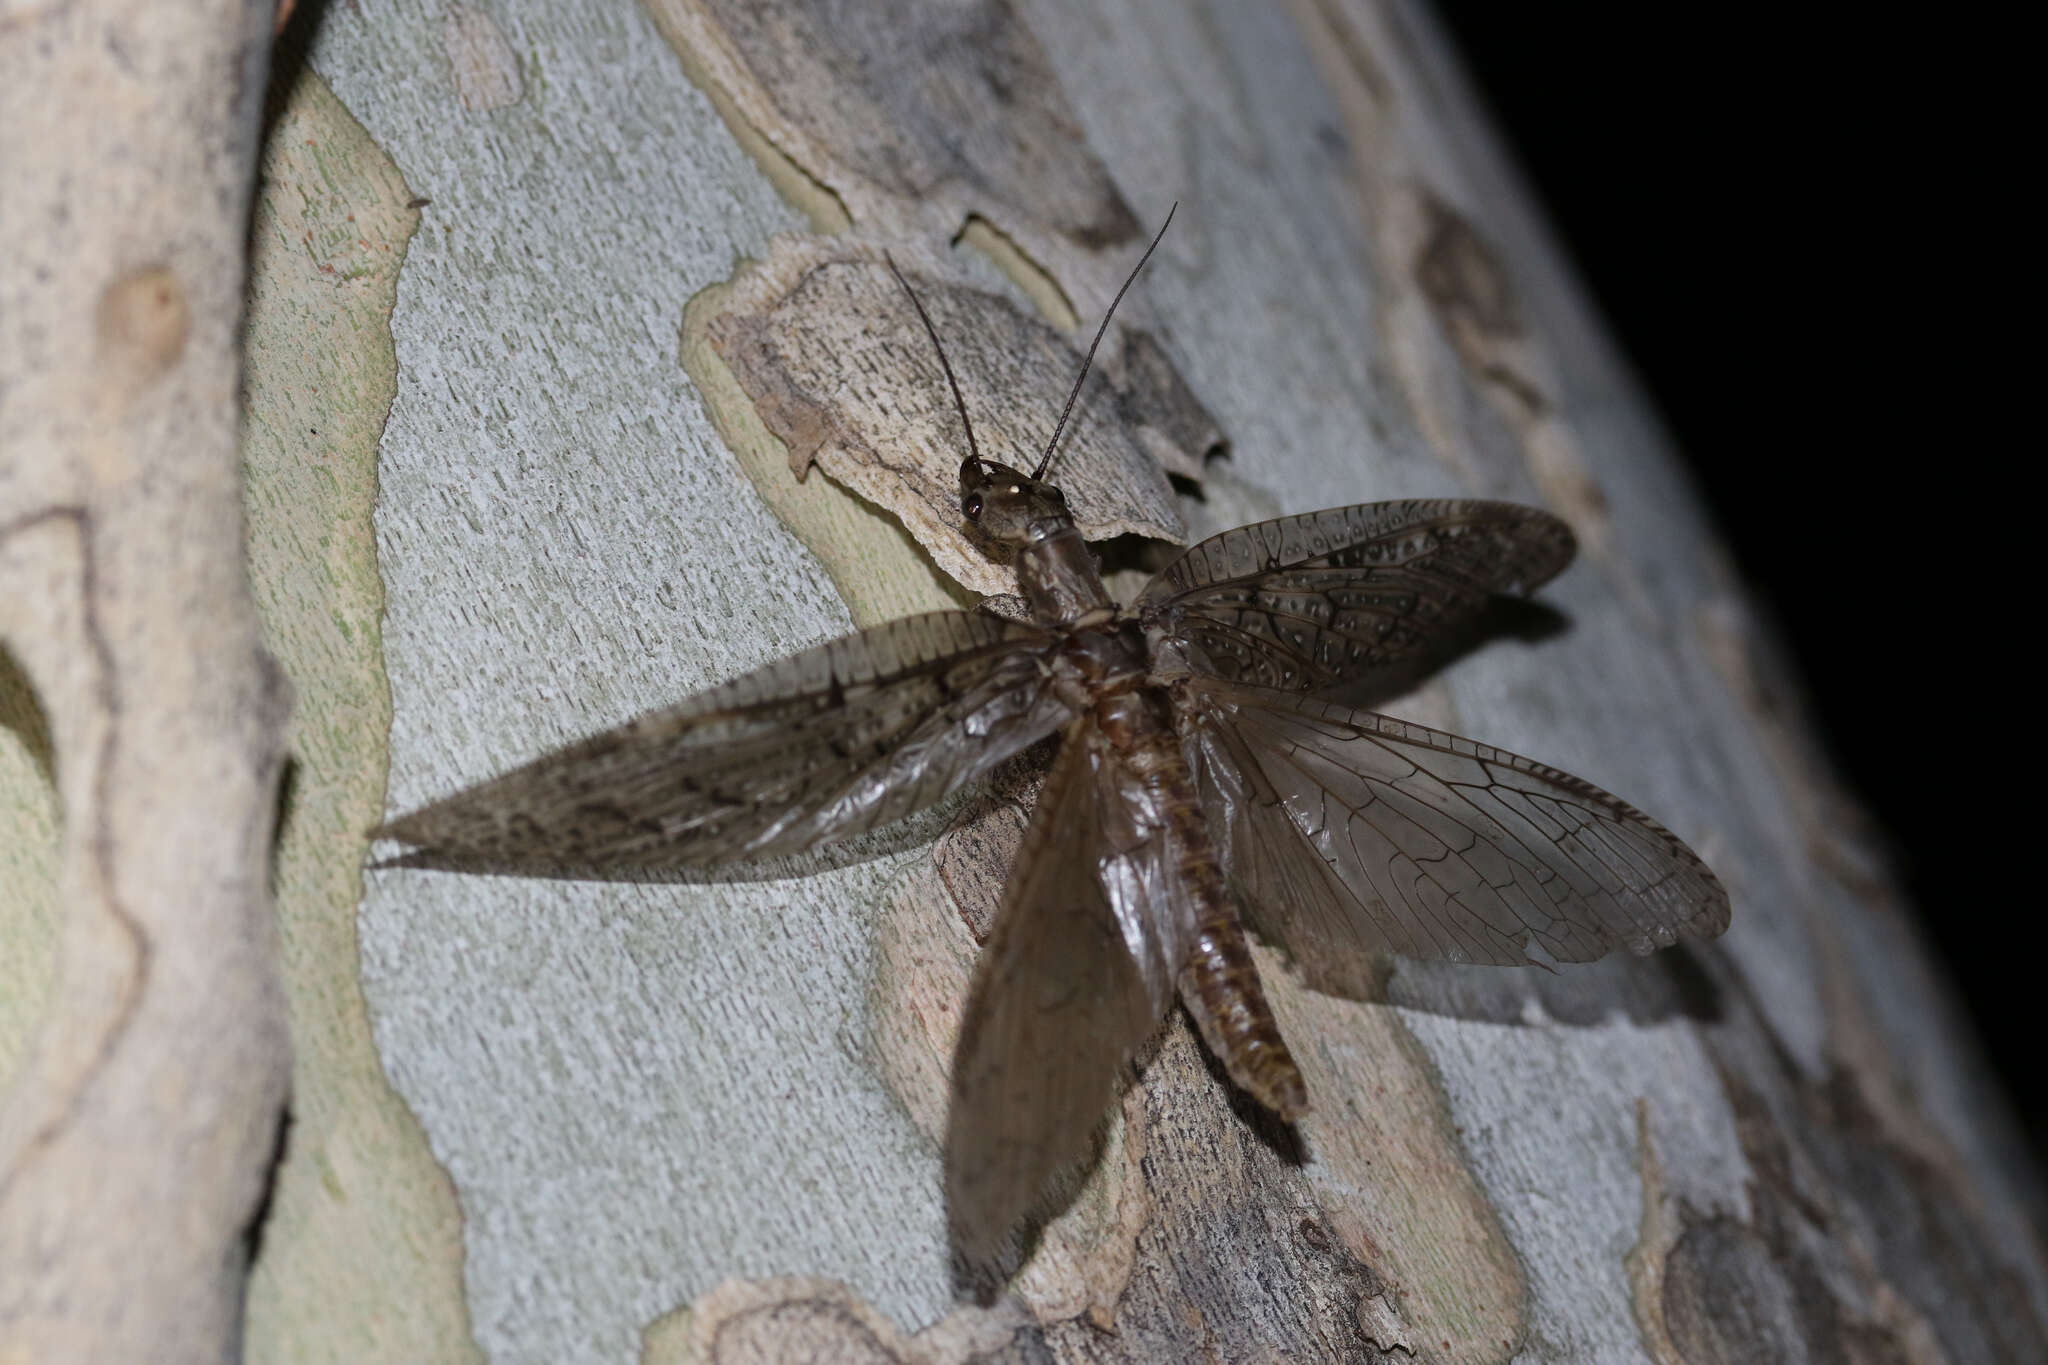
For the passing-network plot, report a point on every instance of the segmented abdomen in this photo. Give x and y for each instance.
(1219, 982)
(1221, 987)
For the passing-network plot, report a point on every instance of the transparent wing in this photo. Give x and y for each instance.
(835, 740)
(1311, 602)
(1351, 834)
(1076, 976)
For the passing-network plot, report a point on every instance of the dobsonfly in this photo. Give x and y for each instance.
(1203, 777)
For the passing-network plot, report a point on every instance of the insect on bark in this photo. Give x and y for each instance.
(1202, 778)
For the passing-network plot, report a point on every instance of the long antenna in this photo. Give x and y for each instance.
(1054, 444)
(944, 364)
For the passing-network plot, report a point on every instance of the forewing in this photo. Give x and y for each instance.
(1351, 834)
(835, 740)
(1311, 602)
(1075, 977)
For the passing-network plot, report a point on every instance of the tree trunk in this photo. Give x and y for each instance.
(140, 1122)
(508, 457)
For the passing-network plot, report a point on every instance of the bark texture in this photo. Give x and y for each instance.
(140, 1119)
(502, 259)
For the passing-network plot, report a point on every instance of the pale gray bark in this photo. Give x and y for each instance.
(722, 1094)
(140, 1118)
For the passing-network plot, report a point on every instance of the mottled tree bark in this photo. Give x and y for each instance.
(697, 1118)
(139, 1125)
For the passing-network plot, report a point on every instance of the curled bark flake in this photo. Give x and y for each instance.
(835, 362)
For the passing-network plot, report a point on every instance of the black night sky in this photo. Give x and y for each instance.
(1760, 213)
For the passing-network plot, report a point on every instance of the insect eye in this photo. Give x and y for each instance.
(971, 505)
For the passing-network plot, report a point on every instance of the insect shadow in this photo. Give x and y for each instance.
(1679, 983)
(1676, 983)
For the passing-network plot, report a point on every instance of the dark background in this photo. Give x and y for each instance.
(1784, 244)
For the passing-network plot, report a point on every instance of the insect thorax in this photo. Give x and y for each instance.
(1059, 579)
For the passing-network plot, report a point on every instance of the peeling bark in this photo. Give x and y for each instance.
(697, 1119)
(833, 360)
